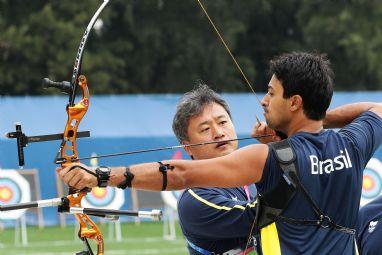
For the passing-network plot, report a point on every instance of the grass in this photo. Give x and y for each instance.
(143, 239)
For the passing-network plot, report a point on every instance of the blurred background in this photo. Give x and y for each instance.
(159, 46)
(140, 58)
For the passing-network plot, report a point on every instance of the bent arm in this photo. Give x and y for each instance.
(343, 115)
(241, 167)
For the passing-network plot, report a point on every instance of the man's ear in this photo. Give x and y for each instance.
(295, 102)
(187, 149)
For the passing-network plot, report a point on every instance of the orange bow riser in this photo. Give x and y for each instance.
(68, 149)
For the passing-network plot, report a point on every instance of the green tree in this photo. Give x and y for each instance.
(350, 33)
(158, 46)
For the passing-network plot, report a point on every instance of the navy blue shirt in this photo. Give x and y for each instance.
(216, 219)
(330, 168)
(369, 227)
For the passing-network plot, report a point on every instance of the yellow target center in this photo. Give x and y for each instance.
(5, 194)
(99, 192)
(368, 183)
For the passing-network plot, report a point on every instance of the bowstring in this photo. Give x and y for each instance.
(247, 82)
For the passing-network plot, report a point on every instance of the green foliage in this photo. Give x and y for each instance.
(350, 33)
(158, 46)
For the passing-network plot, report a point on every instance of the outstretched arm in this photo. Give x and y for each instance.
(238, 168)
(243, 166)
(343, 115)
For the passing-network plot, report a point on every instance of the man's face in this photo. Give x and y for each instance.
(275, 106)
(212, 124)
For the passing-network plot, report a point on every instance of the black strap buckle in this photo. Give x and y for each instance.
(163, 168)
(129, 176)
(324, 221)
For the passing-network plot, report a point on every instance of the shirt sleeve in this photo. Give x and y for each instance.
(365, 132)
(211, 214)
(271, 173)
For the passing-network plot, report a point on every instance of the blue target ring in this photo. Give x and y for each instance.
(374, 184)
(12, 187)
(101, 201)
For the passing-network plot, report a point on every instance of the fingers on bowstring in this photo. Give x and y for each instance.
(262, 129)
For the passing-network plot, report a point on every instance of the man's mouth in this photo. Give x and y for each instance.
(221, 144)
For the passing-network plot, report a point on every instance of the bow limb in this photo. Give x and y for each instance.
(88, 229)
(80, 52)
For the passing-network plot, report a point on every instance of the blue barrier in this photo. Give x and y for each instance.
(117, 123)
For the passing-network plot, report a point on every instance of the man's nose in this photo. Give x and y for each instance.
(218, 132)
(264, 101)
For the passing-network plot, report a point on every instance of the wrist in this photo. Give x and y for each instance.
(128, 177)
(103, 176)
(116, 176)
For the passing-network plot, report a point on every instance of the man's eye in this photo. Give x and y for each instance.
(223, 122)
(205, 129)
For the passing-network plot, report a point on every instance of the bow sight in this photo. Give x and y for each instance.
(23, 140)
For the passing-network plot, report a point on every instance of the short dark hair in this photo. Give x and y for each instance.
(308, 75)
(191, 104)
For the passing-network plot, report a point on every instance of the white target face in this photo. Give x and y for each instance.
(372, 181)
(104, 198)
(14, 189)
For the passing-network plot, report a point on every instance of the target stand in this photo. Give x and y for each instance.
(170, 199)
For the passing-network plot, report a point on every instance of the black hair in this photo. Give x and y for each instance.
(191, 104)
(308, 75)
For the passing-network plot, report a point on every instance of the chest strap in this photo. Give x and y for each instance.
(271, 207)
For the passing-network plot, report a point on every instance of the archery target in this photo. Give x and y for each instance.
(372, 181)
(105, 198)
(14, 189)
(170, 198)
